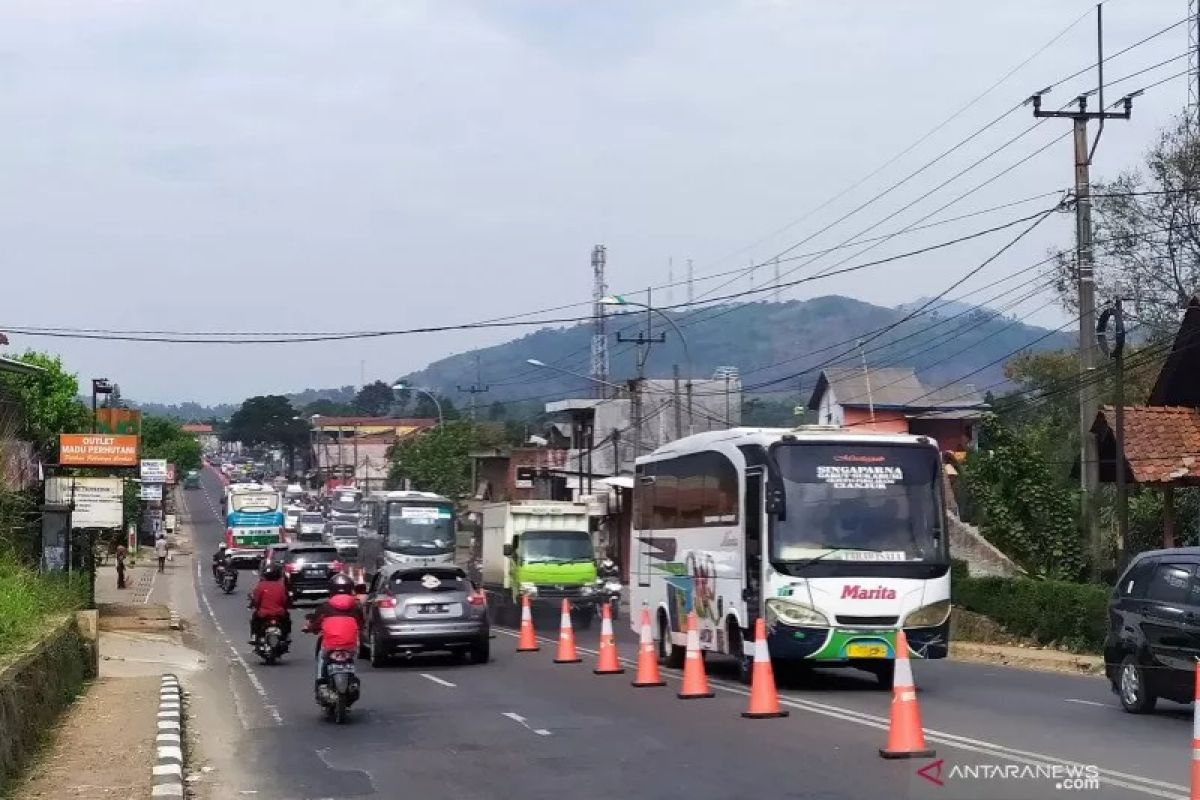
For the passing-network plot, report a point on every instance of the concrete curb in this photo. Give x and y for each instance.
(168, 743)
(174, 618)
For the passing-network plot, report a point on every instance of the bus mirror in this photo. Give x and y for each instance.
(508, 551)
(776, 504)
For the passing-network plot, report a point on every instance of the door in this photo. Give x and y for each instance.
(752, 511)
(1164, 622)
(643, 526)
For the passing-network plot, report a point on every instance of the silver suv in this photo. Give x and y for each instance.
(411, 609)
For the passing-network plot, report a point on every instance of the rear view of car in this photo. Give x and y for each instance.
(310, 527)
(426, 609)
(307, 570)
(345, 538)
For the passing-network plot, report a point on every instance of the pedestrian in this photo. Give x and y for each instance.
(121, 553)
(160, 550)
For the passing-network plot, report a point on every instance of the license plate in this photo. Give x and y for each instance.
(867, 651)
(332, 668)
(433, 609)
(314, 573)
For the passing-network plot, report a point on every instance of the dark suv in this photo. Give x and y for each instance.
(307, 569)
(1153, 637)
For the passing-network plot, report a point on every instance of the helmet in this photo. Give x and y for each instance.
(341, 584)
(342, 602)
(272, 572)
(222, 547)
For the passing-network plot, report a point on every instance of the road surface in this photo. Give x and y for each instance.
(524, 727)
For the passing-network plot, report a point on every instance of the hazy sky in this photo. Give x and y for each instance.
(366, 164)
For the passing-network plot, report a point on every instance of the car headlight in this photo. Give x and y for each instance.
(587, 588)
(928, 616)
(529, 589)
(794, 614)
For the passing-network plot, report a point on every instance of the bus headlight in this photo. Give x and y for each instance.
(928, 616)
(794, 614)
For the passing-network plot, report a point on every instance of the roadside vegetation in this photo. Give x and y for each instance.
(29, 601)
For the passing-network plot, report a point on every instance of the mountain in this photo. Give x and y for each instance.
(778, 348)
(194, 412)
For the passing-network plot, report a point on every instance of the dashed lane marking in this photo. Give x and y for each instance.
(517, 718)
(1085, 702)
(436, 679)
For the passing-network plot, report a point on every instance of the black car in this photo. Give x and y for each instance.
(413, 609)
(307, 569)
(1153, 638)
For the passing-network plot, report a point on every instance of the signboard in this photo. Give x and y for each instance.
(97, 450)
(151, 491)
(154, 470)
(171, 473)
(98, 502)
(170, 523)
(125, 421)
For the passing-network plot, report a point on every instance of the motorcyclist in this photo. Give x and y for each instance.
(336, 622)
(220, 561)
(269, 599)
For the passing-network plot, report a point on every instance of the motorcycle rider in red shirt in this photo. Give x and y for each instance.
(269, 599)
(336, 622)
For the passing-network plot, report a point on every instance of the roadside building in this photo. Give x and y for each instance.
(353, 450)
(204, 434)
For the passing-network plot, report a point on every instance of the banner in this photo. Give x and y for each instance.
(171, 474)
(96, 450)
(154, 470)
(151, 491)
(98, 501)
(125, 421)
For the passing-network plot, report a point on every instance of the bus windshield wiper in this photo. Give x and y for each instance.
(810, 561)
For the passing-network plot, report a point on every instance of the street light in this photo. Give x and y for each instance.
(619, 300)
(400, 386)
(533, 362)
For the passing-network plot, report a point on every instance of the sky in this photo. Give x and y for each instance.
(350, 165)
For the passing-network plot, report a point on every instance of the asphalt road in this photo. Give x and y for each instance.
(522, 726)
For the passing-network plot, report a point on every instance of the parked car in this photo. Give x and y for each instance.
(420, 609)
(343, 536)
(310, 527)
(307, 569)
(1153, 639)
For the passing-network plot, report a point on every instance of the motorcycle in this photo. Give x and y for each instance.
(608, 587)
(228, 579)
(341, 687)
(271, 644)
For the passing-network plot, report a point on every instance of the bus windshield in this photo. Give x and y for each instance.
(421, 529)
(858, 502)
(254, 502)
(345, 503)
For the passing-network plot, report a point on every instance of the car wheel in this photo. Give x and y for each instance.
(1136, 697)
(481, 651)
(378, 655)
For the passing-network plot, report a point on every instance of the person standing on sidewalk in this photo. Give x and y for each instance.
(160, 551)
(121, 553)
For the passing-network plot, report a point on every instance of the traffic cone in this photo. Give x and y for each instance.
(527, 643)
(764, 700)
(695, 682)
(1195, 793)
(608, 663)
(647, 667)
(906, 737)
(566, 638)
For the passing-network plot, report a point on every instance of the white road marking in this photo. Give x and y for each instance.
(150, 591)
(1085, 702)
(436, 679)
(515, 717)
(1149, 786)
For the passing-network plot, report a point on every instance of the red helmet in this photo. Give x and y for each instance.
(342, 602)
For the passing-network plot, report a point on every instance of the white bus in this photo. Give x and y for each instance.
(837, 538)
(402, 527)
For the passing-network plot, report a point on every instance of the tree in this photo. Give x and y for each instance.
(268, 420)
(427, 409)
(437, 460)
(165, 438)
(327, 408)
(1147, 234)
(47, 402)
(374, 399)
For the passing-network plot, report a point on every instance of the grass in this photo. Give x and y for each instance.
(28, 599)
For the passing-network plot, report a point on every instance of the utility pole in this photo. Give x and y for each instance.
(691, 287)
(475, 390)
(643, 342)
(1086, 287)
(867, 380)
(599, 339)
(1116, 351)
(1193, 59)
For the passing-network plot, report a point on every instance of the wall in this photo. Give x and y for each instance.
(953, 435)
(35, 688)
(886, 420)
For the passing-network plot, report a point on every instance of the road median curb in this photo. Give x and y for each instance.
(1027, 658)
(168, 741)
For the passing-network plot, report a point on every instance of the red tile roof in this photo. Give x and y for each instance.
(374, 422)
(197, 427)
(1162, 443)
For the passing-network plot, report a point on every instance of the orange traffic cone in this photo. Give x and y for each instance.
(566, 638)
(608, 663)
(1195, 793)
(695, 682)
(764, 700)
(647, 668)
(527, 643)
(906, 738)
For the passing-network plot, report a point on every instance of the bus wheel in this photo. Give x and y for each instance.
(671, 654)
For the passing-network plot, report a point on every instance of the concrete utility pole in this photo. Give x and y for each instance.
(643, 342)
(599, 337)
(1193, 53)
(691, 285)
(475, 389)
(1086, 286)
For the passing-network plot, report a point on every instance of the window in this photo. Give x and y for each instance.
(1133, 584)
(691, 491)
(1170, 583)
(664, 511)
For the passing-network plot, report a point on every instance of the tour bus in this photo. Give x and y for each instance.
(253, 520)
(345, 503)
(405, 527)
(836, 538)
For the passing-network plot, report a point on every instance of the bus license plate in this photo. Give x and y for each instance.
(867, 651)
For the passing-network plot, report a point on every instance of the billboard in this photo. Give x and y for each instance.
(154, 470)
(97, 500)
(119, 421)
(97, 450)
(171, 473)
(150, 491)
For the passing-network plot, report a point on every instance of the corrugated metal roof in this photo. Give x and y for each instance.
(12, 365)
(891, 387)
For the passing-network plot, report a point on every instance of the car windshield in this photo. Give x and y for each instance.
(556, 547)
(311, 554)
(428, 580)
(424, 529)
(312, 519)
(345, 532)
(345, 504)
(856, 502)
